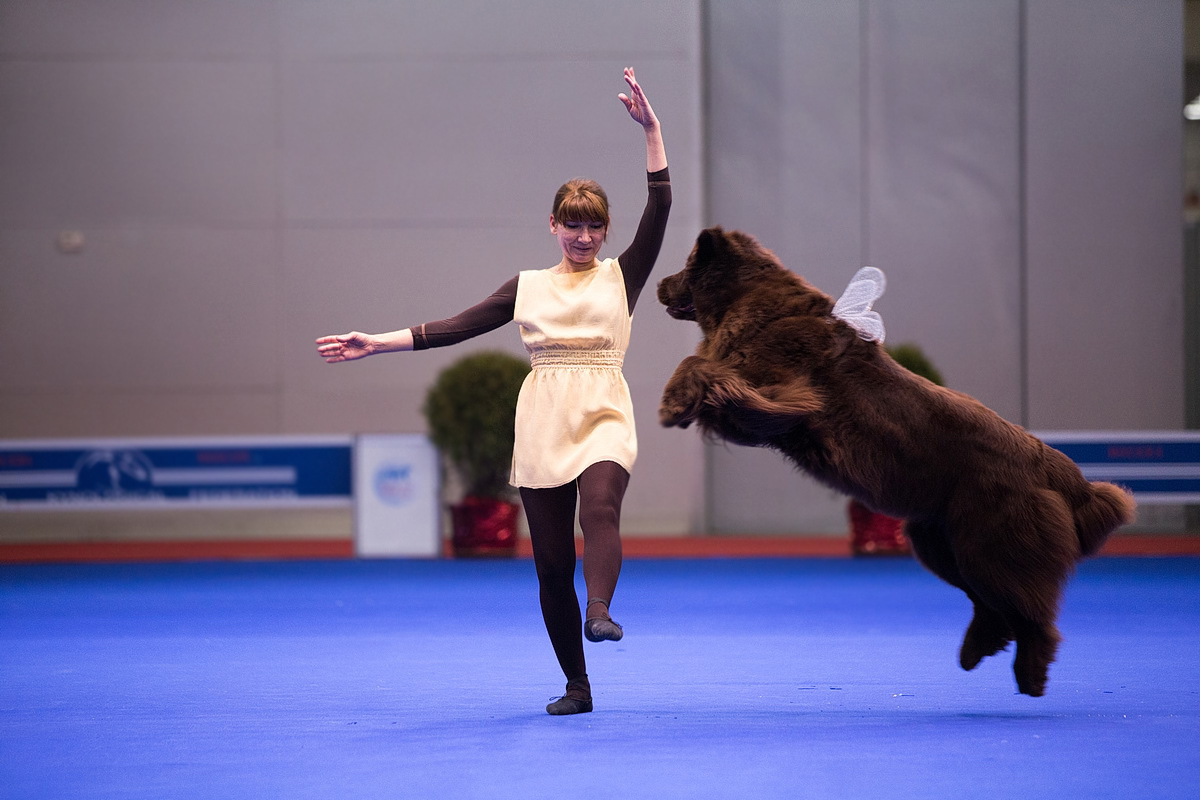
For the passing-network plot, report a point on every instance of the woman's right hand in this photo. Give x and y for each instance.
(345, 347)
(639, 108)
(636, 102)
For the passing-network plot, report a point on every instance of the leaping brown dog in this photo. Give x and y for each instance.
(989, 508)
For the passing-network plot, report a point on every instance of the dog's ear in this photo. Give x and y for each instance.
(708, 244)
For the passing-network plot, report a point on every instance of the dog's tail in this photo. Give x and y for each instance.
(1097, 508)
(1107, 508)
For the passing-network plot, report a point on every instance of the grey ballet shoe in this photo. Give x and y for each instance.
(601, 629)
(569, 705)
(577, 700)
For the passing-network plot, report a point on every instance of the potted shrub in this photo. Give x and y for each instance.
(873, 533)
(470, 410)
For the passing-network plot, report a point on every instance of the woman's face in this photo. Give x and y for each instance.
(580, 241)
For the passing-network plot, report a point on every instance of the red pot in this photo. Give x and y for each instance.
(484, 526)
(876, 534)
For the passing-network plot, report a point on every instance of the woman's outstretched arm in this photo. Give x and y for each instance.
(356, 344)
(481, 318)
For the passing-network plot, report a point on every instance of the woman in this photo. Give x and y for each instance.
(574, 425)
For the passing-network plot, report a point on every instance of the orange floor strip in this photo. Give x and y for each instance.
(634, 547)
(1152, 545)
(255, 549)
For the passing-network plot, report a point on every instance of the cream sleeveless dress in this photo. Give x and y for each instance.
(574, 408)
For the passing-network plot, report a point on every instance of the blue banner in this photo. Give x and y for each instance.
(1157, 466)
(255, 472)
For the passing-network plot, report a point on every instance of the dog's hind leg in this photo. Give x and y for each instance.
(1033, 629)
(1037, 646)
(1017, 563)
(989, 632)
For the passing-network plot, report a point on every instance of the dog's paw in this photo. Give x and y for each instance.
(980, 645)
(675, 414)
(683, 394)
(987, 635)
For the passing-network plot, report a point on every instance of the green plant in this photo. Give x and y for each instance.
(470, 409)
(914, 360)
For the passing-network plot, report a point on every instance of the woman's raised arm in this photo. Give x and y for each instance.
(639, 108)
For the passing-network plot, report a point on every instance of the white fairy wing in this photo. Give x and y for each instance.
(854, 306)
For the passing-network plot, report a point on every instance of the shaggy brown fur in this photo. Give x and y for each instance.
(989, 508)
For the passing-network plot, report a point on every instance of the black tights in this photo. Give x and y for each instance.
(551, 516)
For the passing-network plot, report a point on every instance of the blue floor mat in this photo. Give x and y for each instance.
(428, 679)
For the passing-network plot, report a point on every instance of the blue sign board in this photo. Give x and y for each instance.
(242, 472)
(1157, 466)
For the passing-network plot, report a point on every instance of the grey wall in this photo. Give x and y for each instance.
(249, 175)
(1105, 263)
(1015, 169)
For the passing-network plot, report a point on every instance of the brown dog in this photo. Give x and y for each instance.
(989, 508)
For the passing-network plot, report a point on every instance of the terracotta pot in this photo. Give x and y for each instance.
(484, 526)
(876, 534)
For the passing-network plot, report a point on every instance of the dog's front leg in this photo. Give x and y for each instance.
(730, 406)
(684, 393)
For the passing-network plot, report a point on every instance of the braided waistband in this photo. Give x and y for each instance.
(590, 359)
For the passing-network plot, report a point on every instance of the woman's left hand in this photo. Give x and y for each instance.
(636, 102)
